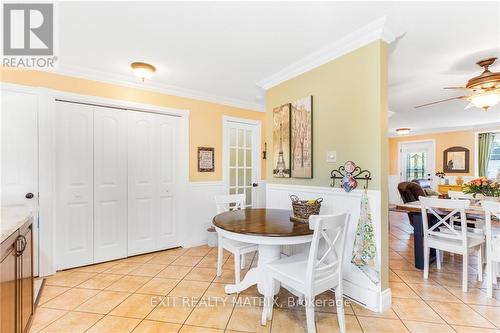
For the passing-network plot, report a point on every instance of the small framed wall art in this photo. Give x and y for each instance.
(281, 141)
(206, 159)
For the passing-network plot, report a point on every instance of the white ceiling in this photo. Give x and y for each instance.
(220, 50)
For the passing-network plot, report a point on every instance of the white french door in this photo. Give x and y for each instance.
(110, 184)
(152, 190)
(19, 156)
(417, 160)
(242, 155)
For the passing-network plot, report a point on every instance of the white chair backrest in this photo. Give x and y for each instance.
(459, 195)
(325, 266)
(225, 203)
(450, 209)
(491, 208)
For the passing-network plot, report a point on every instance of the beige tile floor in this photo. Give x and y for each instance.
(178, 291)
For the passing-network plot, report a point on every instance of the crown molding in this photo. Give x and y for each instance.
(123, 80)
(379, 29)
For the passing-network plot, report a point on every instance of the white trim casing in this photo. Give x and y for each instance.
(379, 29)
(433, 168)
(47, 98)
(256, 151)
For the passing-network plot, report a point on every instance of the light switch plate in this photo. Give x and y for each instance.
(331, 156)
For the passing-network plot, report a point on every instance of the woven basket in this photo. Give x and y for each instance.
(302, 209)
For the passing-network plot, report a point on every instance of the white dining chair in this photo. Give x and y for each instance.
(476, 224)
(443, 236)
(492, 245)
(313, 273)
(226, 203)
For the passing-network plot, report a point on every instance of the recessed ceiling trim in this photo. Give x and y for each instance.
(477, 127)
(378, 29)
(131, 82)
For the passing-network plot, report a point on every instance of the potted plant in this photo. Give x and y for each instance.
(211, 236)
(483, 187)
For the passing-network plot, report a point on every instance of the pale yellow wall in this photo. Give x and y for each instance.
(444, 140)
(349, 116)
(205, 121)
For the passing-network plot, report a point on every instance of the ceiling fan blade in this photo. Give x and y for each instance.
(469, 106)
(458, 88)
(443, 100)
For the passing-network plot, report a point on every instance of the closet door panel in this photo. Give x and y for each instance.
(142, 182)
(166, 227)
(74, 202)
(110, 184)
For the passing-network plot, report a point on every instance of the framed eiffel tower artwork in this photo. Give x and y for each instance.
(281, 141)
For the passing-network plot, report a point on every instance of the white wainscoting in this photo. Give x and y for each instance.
(394, 197)
(357, 285)
(200, 208)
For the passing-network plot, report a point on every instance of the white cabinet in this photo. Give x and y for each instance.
(151, 181)
(116, 186)
(110, 184)
(75, 185)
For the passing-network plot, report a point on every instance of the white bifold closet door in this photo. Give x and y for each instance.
(75, 185)
(110, 184)
(152, 193)
(91, 166)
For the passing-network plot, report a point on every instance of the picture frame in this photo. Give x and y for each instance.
(456, 160)
(281, 141)
(302, 138)
(206, 159)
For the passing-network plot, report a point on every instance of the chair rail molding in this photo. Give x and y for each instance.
(357, 286)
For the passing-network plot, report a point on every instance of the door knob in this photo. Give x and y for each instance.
(29, 195)
(255, 184)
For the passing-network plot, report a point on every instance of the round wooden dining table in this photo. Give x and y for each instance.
(269, 229)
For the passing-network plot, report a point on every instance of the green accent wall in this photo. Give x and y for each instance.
(350, 117)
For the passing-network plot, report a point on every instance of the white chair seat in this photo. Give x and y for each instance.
(232, 245)
(292, 267)
(472, 241)
(471, 232)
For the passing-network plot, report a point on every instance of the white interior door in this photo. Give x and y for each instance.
(19, 157)
(151, 182)
(243, 160)
(416, 160)
(74, 185)
(110, 184)
(168, 190)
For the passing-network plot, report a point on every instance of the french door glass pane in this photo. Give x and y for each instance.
(232, 157)
(232, 137)
(415, 166)
(240, 162)
(232, 177)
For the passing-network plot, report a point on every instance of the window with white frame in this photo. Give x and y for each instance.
(493, 168)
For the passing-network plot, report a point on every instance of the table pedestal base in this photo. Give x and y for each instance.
(256, 275)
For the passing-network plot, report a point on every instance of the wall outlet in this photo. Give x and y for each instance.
(331, 156)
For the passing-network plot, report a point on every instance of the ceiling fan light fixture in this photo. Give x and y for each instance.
(485, 100)
(142, 70)
(403, 131)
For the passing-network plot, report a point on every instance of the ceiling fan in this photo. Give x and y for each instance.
(483, 90)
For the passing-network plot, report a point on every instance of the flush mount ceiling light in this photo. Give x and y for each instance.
(403, 131)
(143, 70)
